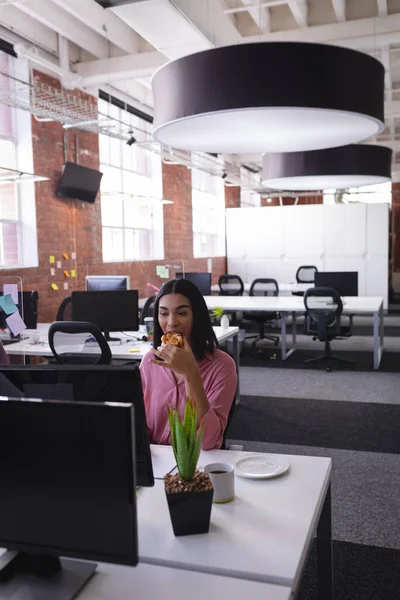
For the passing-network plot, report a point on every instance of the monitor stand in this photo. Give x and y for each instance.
(24, 575)
(109, 338)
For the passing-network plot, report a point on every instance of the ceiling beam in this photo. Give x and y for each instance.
(60, 21)
(382, 8)
(37, 33)
(259, 14)
(299, 10)
(360, 34)
(339, 6)
(103, 22)
(131, 66)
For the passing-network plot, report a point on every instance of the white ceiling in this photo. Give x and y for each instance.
(117, 49)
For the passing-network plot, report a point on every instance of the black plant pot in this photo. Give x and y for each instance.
(190, 512)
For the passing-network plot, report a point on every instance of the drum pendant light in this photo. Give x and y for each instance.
(339, 168)
(268, 97)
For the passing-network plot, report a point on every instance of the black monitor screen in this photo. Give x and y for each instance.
(28, 307)
(344, 282)
(109, 311)
(79, 182)
(96, 283)
(202, 280)
(68, 480)
(86, 383)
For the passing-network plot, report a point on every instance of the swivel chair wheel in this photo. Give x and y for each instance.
(328, 369)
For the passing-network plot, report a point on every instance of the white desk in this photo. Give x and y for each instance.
(151, 582)
(264, 534)
(284, 288)
(352, 305)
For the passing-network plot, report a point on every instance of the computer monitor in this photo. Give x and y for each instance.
(86, 383)
(109, 311)
(67, 489)
(95, 283)
(28, 307)
(79, 182)
(344, 282)
(201, 280)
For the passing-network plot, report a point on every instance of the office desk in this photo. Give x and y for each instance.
(151, 582)
(352, 305)
(284, 288)
(264, 534)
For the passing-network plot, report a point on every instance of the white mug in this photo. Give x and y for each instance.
(222, 477)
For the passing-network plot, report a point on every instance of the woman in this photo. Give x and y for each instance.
(199, 370)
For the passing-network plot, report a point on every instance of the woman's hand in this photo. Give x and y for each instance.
(180, 360)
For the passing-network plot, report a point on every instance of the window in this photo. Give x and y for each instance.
(18, 242)
(208, 204)
(249, 181)
(379, 193)
(131, 194)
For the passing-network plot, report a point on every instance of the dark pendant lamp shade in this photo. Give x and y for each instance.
(341, 168)
(268, 97)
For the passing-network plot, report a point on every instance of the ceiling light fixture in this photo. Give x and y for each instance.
(268, 97)
(340, 168)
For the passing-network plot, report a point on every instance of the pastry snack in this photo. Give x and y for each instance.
(172, 339)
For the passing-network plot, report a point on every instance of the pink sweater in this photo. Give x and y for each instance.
(160, 391)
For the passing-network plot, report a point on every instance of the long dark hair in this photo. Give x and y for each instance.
(203, 339)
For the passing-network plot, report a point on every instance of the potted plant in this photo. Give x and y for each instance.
(189, 492)
(219, 314)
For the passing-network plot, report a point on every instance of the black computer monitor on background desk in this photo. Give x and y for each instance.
(98, 283)
(201, 280)
(109, 311)
(86, 383)
(344, 282)
(67, 489)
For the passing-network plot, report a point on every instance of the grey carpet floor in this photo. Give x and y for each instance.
(338, 385)
(365, 492)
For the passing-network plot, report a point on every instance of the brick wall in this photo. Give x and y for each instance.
(67, 226)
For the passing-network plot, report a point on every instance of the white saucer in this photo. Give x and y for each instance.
(261, 467)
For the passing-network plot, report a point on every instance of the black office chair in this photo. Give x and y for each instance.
(64, 312)
(305, 274)
(263, 287)
(68, 338)
(230, 285)
(148, 309)
(322, 320)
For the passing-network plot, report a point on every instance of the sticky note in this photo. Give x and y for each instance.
(65, 255)
(66, 273)
(11, 288)
(73, 273)
(52, 259)
(65, 285)
(134, 350)
(162, 272)
(73, 255)
(15, 323)
(8, 305)
(59, 264)
(54, 286)
(52, 272)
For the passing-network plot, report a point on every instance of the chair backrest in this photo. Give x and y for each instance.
(148, 309)
(306, 274)
(264, 287)
(65, 308)
(230, 285)
(78, 342)
(230, 415)
(324, 308)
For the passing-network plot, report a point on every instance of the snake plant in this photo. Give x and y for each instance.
(185, 440)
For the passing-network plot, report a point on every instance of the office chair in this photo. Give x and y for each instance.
(263, 287)
(305, 274)
(323, 321)
(230, 285)
(148, 309)
(64, 312)
(68, 338)
(224, 445)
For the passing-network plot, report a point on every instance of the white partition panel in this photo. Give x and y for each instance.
(275, 241)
